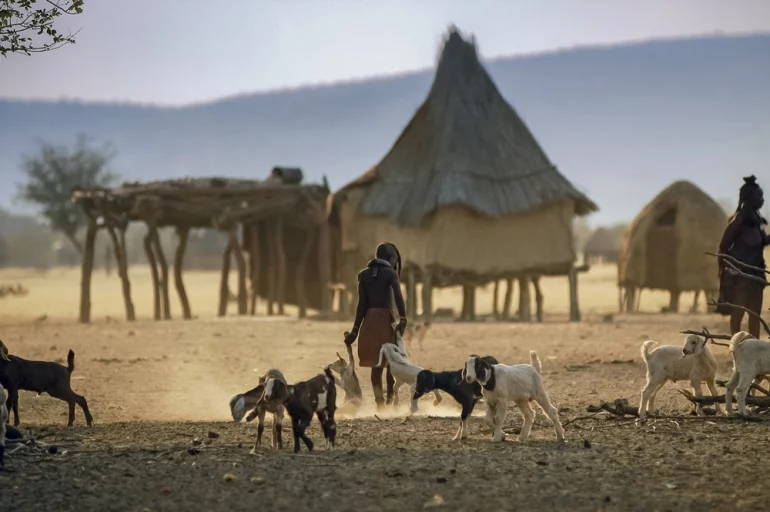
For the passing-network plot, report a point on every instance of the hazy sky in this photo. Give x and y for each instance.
(182, 51)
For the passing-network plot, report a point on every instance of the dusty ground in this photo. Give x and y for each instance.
(157, 390)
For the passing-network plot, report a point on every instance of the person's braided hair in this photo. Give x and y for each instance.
(749, 187)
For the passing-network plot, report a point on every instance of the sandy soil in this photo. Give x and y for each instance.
(162, 439)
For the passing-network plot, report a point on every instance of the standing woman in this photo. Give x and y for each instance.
(744, 239)
(379, 291)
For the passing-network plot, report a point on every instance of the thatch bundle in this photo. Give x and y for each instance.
(663, 248)
(465, 187)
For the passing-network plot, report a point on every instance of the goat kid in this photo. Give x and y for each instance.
(403, 371)
(453, 383)
(315, 396)
(691, 362)
(751, 359)
(519, 383)
(243, 402)
(40, 377)
(348, 379)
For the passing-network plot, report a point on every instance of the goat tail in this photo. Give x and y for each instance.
(329, 374)
(646, 349)
(70, 361)
(382, 355)
(535, 361)
(738, 339)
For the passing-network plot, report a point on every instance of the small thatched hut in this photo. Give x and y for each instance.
(466, 191)
(663, 248)
(603, 246)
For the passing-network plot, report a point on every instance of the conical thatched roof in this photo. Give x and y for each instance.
(465, 145)
(663, 247)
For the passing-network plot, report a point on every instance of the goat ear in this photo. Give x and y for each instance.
(340, 357)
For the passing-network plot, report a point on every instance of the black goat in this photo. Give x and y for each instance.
(467, 395)
(40, 377)
(315, 396)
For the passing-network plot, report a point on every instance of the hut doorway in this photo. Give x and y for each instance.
(661, 252)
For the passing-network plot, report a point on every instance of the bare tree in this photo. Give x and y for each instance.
(54, 172)
(27, 26)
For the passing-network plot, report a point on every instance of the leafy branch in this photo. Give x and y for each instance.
(27, 26)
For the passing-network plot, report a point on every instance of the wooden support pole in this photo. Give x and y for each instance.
(472, 303)
(272, 275)
(673, 301)
(464, 308)
(119, 249)
(427, 295)
(629, 298)
(85, 273)
(525, 306)
(148, 251)
(574, 307)
(302, 267)
(325, 264)
(694, 308)
(280, 265)
(637, 300)
(224, 290)
(240, 261)
(538, 298)
(411, 293)
(183, 233)
(508, 299)
(496, 300)
(164, 284)
(254, 262)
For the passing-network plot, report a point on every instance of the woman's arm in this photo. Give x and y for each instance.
(395, 285)
(361, 307)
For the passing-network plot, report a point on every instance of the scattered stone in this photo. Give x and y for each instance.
(586, 444)
(164, 490)
(52, 450)
(229, 477)
(441, 480)
(541, 463)
(213, 435)
(193, 451)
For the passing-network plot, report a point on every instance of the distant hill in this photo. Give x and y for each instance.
(621, 122)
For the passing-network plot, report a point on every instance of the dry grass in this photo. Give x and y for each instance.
(155, 386)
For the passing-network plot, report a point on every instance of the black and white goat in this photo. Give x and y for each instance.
(519, 383)
(40, 377)
(315, 396)
(452, 382)
(242, 402)
(403, 371)
(348, 380)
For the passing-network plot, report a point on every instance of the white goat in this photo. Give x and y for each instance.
(520, 383)
(403, 371)
(751, 358)
(691, 362)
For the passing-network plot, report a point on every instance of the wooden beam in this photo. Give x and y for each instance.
(280, 265)
(119, 249)
(254, 261)
(325, 264)
(148, 251)
(574, 307)
(223, 288)
(183, 233)
(472, 303)
(272, 275)
(525, 311)
(85, 273)
(240, 261)
(673, 301)
(158, 249)
(538, 298)
(411, 294)
(507, 299)
(427, 295)
(496, 300)
(302, 267)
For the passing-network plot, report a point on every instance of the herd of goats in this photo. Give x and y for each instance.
(481, 378)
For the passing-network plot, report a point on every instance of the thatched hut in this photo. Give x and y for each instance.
(663, 248)
(466, 191)
(603, 246)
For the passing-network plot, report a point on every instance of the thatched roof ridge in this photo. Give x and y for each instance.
(465, 145)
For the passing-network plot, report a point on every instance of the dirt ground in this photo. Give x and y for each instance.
(162, 439)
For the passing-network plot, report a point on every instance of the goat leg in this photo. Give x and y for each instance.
(13, 404)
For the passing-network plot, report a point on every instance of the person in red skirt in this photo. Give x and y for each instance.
(379, 292)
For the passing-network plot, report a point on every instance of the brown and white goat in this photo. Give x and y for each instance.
(242, 402)
(315, 396)
(40, 377)
(348, 380)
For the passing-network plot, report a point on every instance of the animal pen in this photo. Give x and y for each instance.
(277, 234)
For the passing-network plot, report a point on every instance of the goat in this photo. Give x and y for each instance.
(241, 403)
(417, 332)
(403, 371)
(348, 379)
(692, 362)
(3, 415)
(315, 396)
(40, 377)
(452, 382)
(751, 358)
(520, 383)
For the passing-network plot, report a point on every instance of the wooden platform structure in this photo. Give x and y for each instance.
(277, 228)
